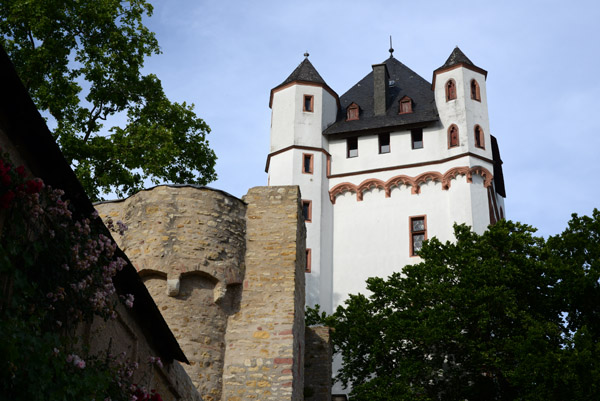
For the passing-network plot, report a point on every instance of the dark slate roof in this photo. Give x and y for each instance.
(498, 174)
(26, 129)
(304, 72)
(457, 57)
(406, 82)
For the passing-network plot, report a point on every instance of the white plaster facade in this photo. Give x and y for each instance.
(362, 206)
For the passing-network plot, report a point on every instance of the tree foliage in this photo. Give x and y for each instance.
(500, 316)
(81, 62)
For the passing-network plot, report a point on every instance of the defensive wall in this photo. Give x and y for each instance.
(228, 277)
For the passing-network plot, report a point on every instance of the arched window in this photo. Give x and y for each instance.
(405, 105)
(475, 91)
(452, 136)
(450, 90)
(479, 142)
(352, 112)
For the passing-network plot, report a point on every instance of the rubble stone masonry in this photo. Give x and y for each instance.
(265, 339)
(228, 276)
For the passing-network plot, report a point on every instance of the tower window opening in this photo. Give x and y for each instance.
(384, 143)
(475, 95)
(405, 105)
(307, 163)
(452, 136)
(352, 112)
(352, 147)
(308, 103)
(416, 136)
(418, 234)
(450, 90)
(307, 210)
(479, 140)
(308, 260)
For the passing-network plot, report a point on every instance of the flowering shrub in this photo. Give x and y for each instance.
(56, 272)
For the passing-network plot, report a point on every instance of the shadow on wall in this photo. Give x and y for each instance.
(198, 322)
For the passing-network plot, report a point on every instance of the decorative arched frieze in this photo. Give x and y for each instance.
(396, 182)
(483, 172)
(451, 174)
(413, 182)
(340, 189)
(423, 178)
(368, 184)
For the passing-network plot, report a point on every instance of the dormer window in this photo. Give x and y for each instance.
(308, 103)
(475, 91)
(352, 112)
(405, 105)
(450, 90)
(452, 136)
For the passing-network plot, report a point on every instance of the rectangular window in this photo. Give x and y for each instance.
(307, 163)
(307, 210)
(384, 143)
(417, 138)
(352, 146)
(308, 103)
(418, 234)
(308, 260)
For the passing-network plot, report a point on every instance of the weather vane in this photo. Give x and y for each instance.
(306, 54)
(391, 48)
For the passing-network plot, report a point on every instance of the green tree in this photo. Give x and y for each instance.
(81, 62)
(500, 316)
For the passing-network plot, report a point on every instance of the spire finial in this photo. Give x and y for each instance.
(306, 54)
(391, 48)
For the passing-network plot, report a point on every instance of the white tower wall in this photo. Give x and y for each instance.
(296, 133)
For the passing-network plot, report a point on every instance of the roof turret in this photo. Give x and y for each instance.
(305, 73)
(458, 59)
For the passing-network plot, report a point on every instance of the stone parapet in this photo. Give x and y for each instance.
(188, 244)
(265, 339)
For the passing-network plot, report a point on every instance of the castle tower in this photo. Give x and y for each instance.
(402, 161)
(302, 107)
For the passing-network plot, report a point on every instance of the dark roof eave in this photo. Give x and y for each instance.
(464, 65)
(378, 128)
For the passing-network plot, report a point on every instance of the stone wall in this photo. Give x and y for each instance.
(188, 245)
(194, 248)
(317, 364)
(265, 339)
(123, 335)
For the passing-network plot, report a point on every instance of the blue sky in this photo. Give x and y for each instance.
(541, 56)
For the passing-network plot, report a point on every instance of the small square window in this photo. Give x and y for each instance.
(418, 234)
(307, 210)
(308, 103)
(417, 138)
(308, 260)
(352, 146)
(307, 163)
(384, 143)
